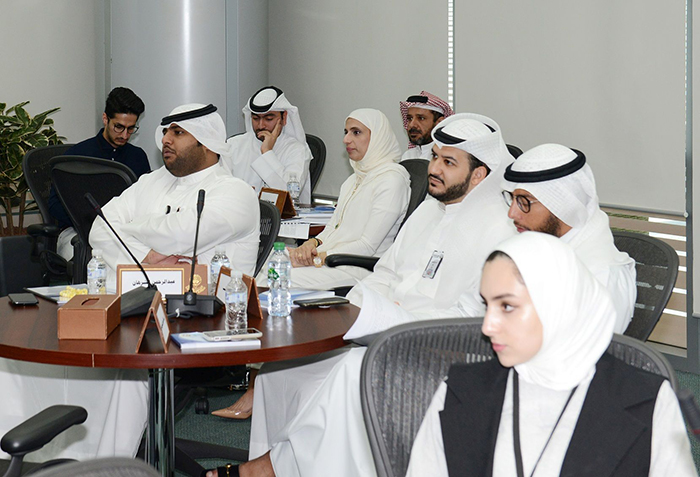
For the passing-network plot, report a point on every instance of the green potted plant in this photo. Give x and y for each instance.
(19, 133)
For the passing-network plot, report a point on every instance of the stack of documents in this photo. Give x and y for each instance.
(298, 227)
(194, 342)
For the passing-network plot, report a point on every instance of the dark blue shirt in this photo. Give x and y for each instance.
(131, 156)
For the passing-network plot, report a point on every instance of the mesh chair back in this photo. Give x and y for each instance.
(404, 366)
(418, 171)
(269, 228)
(657, 270)
(400, 373)
(37, 173)
(318, 151)
(73, 177)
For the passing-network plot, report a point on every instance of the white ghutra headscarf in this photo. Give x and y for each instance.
(200, 120)
(576, 312)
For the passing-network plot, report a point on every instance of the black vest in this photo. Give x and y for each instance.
(612, 436)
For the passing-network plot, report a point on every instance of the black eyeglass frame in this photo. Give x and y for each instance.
(524, 203)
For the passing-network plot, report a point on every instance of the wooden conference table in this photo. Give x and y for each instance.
(30, 334)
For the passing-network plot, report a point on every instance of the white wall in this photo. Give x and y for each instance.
(246, 56)
(53, 55)
(333, 56)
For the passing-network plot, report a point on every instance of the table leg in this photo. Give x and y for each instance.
(160, 442)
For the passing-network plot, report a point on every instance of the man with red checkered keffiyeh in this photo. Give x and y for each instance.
(420, 114)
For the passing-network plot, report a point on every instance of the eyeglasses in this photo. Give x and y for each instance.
(119, 128)
(523, 202)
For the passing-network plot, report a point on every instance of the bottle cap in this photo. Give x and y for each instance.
(279, 246)
(96, 252)
(236, 274)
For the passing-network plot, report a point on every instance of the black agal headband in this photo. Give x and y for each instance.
(443, 137)
(195, 113)
(547, 174)
(263, 108)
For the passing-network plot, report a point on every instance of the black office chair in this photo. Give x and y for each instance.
(318, 151)
(37, 173)
(515, 151)
(404, 366)
(418, 172)
(103, 467)
(657, 270)
(35, 433)
(269, 228)
(73, 177)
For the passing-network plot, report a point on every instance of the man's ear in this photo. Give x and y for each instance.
(284, 117)
(105, 119)
(438, 120)
(478, 175)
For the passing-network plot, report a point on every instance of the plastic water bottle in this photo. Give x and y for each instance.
(279, 276)
(236, 303)
(220, 259)
(97, 273)
(294, 189)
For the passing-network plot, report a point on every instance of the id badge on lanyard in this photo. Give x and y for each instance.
(433, 264)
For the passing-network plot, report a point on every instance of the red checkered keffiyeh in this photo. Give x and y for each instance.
(433, 103)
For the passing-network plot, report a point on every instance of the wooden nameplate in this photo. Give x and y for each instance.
(280, 199)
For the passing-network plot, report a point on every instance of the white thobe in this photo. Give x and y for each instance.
(419, 152)
(272, 169)
(615, 270)
(365, 222)
(159, 212)
(116, 401)
(325, 434)
(670, 449)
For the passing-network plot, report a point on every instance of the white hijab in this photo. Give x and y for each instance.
(576, 312)
(383, 152)
(208, 129)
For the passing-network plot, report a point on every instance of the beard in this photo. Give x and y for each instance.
(421, 140)
(551, 226)
(187, 162)
(453, 192)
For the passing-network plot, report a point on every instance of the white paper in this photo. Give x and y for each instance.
(294, 229)
(377, 314)
(270, 197)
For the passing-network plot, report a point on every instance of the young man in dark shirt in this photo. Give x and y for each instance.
(122, 111)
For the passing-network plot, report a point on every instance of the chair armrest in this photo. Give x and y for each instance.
(44, 230)
(337, 260)
(37, 431)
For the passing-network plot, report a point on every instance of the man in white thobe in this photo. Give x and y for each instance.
(420, 114)
(308, 414)
(156, 217)
(551, 189)
(273, 151)
(117, 400)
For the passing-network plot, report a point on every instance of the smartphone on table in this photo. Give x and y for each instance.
(232, 335)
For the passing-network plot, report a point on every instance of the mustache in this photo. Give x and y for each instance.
(415, 131)
(436, 178)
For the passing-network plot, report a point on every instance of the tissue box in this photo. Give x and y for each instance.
(89, 317)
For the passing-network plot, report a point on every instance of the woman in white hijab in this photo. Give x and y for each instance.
(371, 205)
(554, 403)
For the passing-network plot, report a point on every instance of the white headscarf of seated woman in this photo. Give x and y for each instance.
(383, 151)
(576, 312)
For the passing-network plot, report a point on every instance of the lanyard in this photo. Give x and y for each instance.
(516, 427)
